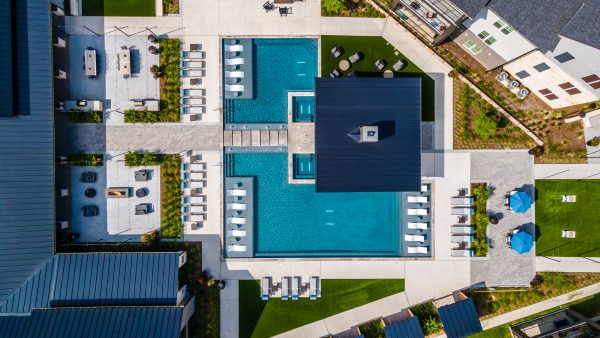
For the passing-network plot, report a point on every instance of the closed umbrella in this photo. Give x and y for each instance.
(521, 242)
(520, 201)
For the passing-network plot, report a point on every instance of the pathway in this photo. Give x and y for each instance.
(567, 264)
(541, 306)
(567, 171)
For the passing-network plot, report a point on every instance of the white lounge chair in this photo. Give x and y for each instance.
(193, 73)
(192, 54)
(234, 88)
(193, 92)
(295, 288)
(236, 206)
(193, 110)
(314, 288)
(461, 239)
(234, 74)
(462, 211)
(418, 225)
(417, 250)
(266, 288)
(462, 201)
(234, 48)
(194, 64)
(417, 199)
(462, 253)
(234, 61)
(196, 175)
(236, 192)
(196, 184)
(237, 248)
(462, 230)
(197, 199)
(285, 288)
(419, 212)
(193, 101)
(197, 166)
(414, 238)
(424, 187)
(236, 220)
(196, 209)
(236, 233)
(196, 217)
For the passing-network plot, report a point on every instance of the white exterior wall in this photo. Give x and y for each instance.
(507, 46)
(586, 62)
(548, 79)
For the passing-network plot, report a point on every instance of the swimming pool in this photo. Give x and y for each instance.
(292, 220)
(280, 65)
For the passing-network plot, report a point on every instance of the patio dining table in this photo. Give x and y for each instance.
(125, 62)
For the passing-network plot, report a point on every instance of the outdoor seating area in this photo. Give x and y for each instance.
(519, 240)
(517, 201)
(462, 234)
(237, 68)
(290, 288)
(356, 57)
(193, 98)
(193, 201)
(239, 217)
(417, 222)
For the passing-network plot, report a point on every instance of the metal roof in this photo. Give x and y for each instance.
(99, 279)
(585, 25)
(460, 319)
(393, 163)
(102, 322)
(6, 56)
(405, 328)
(27, 191)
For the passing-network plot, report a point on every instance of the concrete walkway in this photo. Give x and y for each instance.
(567, 171)
(567, 264)
(541, 306)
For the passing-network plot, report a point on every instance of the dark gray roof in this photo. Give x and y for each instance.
(470, 7)
(99, 279)
(6, 66)
(102, 322)
(540, 21)
(27, 191)
(405, 328)
(585, 25)
(345, 104)
(460, 319)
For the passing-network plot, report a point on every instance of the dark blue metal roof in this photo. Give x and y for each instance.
(345, 104)
(27, 193)
(102, 322)
(6, 58)
(460, 319)
(408, 328)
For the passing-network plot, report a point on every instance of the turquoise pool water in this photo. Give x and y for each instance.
(303, 108)
(281, 65)
(292, 220)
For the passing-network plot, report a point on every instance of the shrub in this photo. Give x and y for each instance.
(427, 314)
(85, 116)
(82, 159)
(372, 329)
(485, 126)
(431, 326)
(594, 142)
(333, 6)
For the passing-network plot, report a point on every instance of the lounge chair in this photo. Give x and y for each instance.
(234, 61)
(236, 206)
(417, 199)
(234, 74)
(237, 248)
(236, 233)
(285, 288)
(234, 88)
(193, 110)
(236, 220)
(196, 199)
(461, 239)
(336, 52)
(196, 184)
(192, 55)
(234, 48)
(417, 226)
(195, 208)
(192, 73)
(462, 211)
(194, 64)
(195, 175)
(354, 58)
(268, 6)
(417, 250)
(424, 187)
(462, 253)
(462, 201)
(380, 64)
(314, 288)
(265, 288)
(295, 288)
(419, 212)
(398, 65)
(334, 73)
(236, 192)
(193, 92)
(462, 230)
(197, 166)
(414, 238)
(196, 217)
(193, 101)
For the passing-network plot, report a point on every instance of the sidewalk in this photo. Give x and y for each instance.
(567, 171)
(567, 264)
(541, 306)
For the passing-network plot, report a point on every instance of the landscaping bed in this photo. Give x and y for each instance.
(260, 318)
(170, 181)
(477, 125)
(81, 116)
(118, 7)
(358, 8)
(170, 96)
(552, 216)
(480, 193)
(82, 159)
(373, 329)
(373, 48)
(428, 318)
(170, 6)
(545, 286)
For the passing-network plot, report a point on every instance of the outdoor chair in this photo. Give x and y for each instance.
(380, 64)
(336, 52)
(283, 11)
(354, 58)
(334, 73)
(268, 6)
(398, 65)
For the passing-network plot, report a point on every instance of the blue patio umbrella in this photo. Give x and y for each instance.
(521, 242)
(520, 201)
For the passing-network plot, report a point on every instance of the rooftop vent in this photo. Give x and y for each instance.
(365, 134)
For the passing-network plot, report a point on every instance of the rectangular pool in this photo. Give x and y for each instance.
(292, 220)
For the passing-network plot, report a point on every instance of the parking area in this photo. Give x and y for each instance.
(111, 85)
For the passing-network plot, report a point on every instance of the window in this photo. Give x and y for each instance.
(522, 74)
(593, 80)
(503, 27)
(548, 94)
(486, 37)
(564, 57)
(472, 47)
(541, 67)
(569, 88)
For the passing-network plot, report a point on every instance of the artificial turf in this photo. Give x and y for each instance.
(373, 48)
(260, 318)
(552, 216)
(119, 7)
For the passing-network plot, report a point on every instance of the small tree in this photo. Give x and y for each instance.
(431, 325)
(334, 6)
(485, 126)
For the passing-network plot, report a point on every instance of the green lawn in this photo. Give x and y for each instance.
(119, 7)
(267, 318)
(373, 48)
(552, 216)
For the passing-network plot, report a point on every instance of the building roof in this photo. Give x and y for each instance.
(391, 164)
(460, 319)
(585, 25)
(114, 322)
(470, 7)
(27, 192)
(405, 328)
(540, 21)
(6, 55)
(99, 279)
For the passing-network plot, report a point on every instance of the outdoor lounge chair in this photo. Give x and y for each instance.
(380, 64)
(197, 166)
(459, 229)
(314, 288)
(462, 211)
(398, 65)
(234, 88)
(336, 52)
(141, 176)
(193, 101)
(354, 58)
(424, 187)
(193, 92)
(417, 226)
(265, 288)
(268, 6)
(334, 73)
(414, 238)
(195, 175)
(417, 250)
(196, 184)
(236, 233)
(462, 253)
(234, 61)
(419, 212)
(193, 110)
(461, 239)
(192, 54)
(234, 74)
(192, 73)
(237, 248)
(196, 217)
(234, 48)
(236, 192)
(196, 208)
(193, 64)
(285, 288)
(417, 199)
(142, 209)
(462, 201)
(236, 220)
(295, 288)
(236, 206)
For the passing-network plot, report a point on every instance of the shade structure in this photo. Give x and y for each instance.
(521, 242)
(520, 201)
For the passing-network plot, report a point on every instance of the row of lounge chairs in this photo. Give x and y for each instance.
(290, 288)
(462, 234)
(193, 206)
(193, 66)
(236, 220)
(233, 74)
(418, 229)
